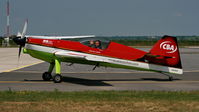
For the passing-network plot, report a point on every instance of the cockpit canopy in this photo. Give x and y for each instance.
(96, 43)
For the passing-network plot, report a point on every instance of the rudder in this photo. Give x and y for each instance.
(165, 52)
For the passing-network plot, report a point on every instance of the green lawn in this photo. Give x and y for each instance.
(100, 101)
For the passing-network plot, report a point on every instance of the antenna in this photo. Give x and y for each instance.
(7, 39)
(8, 19)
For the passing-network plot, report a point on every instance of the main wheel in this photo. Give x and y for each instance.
(57, 78)
(170, 78)
(46, 76)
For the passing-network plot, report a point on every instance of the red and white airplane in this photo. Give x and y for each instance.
(164, 57)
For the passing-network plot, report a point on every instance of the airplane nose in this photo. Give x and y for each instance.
(19, 41)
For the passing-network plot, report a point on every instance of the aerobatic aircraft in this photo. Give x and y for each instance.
(164, 56)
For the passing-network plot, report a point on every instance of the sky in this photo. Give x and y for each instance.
(102, 17)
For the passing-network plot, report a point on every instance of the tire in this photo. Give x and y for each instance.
(46, 76)
(170, 78)
(57, 78)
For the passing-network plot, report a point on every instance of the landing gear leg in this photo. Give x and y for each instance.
(170, 77)
(57, 78)
(47, 75)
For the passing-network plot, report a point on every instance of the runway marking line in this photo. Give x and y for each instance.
(85, 72)
(191, 71)
(26, 82)
(10, 70)
(147, 82)
(110, 82)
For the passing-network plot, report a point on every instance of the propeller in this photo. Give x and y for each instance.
(20, 39)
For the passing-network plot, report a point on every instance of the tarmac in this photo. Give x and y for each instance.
(26, 73)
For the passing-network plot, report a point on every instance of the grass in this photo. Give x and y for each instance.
(99, 101)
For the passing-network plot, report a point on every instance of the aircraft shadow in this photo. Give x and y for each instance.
(100, 82)
(141, 79)
(87, 82)
(80, 81)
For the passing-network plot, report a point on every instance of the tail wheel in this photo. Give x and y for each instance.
(57, 78)
(46, 76)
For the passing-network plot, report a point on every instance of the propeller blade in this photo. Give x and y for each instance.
(18, 34)
(20, 47)
(24, 29)
(20, 39)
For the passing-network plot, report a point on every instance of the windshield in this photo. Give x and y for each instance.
(96, 43)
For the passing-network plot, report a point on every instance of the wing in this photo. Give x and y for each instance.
(88, 57)
(59, 37)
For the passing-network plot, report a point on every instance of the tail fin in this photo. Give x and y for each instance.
(165, 52)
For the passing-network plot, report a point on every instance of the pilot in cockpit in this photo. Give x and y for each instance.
(91, 44)
(98, 44)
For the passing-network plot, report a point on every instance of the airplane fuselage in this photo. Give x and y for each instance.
(115, 55)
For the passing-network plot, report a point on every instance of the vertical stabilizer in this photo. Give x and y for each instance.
(165, 52)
